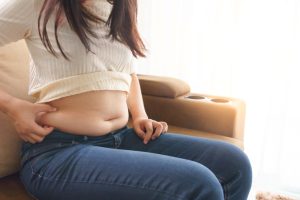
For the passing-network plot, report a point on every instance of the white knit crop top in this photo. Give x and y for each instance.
(52, 77)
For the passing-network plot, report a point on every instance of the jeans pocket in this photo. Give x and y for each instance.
(38, 156)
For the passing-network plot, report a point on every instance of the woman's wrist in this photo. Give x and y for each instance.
(7, 104)
(144, 116)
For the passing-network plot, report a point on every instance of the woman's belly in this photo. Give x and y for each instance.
(92, 113)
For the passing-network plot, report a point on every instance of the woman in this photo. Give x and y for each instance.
(76, 141)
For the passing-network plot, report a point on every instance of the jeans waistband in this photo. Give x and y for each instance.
(60, 136)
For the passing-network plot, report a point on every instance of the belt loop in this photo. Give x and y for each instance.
(117, 141)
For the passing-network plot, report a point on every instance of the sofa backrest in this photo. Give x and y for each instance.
(14, 71)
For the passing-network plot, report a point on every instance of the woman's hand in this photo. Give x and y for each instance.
(148, 128)
(25, 116)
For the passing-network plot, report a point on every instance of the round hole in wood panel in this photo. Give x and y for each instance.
(195, 97)
(220, 100)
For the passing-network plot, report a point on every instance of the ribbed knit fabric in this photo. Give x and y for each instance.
(54, 77)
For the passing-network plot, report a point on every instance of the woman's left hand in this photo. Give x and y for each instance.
(148, 129)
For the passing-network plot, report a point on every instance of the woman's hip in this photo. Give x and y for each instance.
(58, 140)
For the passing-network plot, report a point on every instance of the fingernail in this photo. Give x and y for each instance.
(152, 138)
(145, 142)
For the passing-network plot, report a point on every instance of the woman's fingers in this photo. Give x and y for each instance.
(35, 137)
(158, 129)
(41, 131)
(44, 108)
(140, 132)
(165, 127)
(29, 139)
(149, 131)
(23, 138)
(36, 133)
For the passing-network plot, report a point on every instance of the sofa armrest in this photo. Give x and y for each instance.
(170, 100)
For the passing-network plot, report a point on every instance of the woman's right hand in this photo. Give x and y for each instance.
(25, 116)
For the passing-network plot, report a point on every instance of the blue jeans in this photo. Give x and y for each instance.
(119, 166)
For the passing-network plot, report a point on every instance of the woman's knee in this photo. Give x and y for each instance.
(202, 182)
(245, 169)
(209, 188)
(243, 164)
(238, 169)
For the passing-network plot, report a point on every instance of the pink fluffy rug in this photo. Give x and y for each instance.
(270, 196)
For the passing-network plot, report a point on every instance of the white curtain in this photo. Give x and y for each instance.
(248, 49)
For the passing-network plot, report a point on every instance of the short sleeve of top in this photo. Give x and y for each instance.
(16, 20)
(133, 67)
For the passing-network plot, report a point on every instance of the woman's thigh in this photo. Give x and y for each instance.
(229, 164)
(84, 171)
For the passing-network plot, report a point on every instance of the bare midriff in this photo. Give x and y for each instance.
(92, 113)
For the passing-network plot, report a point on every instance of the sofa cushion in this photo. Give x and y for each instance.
(11, 188)
(14, 62)
(163, 86)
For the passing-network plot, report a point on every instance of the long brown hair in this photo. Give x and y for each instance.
(122, 22)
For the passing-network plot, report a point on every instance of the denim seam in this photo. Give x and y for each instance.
(238, 173)
(224, 186)
(30, 194)
(108, 183)
(28, 191)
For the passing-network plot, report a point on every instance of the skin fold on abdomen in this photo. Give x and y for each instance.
(92, 113)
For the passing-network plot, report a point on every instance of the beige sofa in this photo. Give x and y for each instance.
(165, 99)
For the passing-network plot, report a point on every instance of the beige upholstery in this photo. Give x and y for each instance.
(165, 99)
(169, 99)
(14, 80)
(165, 86)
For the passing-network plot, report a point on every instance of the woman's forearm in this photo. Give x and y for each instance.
(5, 101)
(135, 99)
